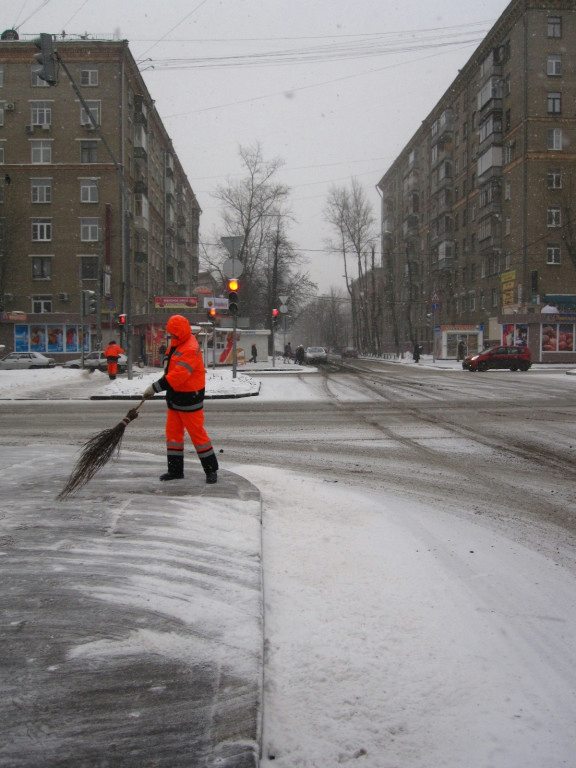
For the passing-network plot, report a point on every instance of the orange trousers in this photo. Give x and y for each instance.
(112, 369)
(193, 423)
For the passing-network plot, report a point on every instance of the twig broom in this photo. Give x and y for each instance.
(96, 453)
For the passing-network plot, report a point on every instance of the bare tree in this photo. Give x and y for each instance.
(256, 209)
(349, 212)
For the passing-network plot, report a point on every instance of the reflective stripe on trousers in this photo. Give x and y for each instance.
(192, 422)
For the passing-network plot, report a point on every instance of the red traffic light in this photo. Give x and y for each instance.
(275, 312)
(121, 319)
(212, 312)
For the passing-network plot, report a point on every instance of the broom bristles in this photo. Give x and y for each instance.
(96, 453)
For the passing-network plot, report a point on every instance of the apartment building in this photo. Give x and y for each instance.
(97, 216)
(478, 211)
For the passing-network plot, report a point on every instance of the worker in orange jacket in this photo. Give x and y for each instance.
(184, 382)
(112, 353)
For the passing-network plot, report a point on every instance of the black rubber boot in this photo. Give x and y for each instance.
(210, 465)
(175, 468)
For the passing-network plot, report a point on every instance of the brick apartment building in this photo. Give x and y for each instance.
(76, 218)
(477, 212)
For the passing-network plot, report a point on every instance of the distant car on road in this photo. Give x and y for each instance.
(514, 358)
(349, 352)
(315, 355)
(20, 360)
(97, 360)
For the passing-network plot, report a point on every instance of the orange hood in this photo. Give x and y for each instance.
(179, 328)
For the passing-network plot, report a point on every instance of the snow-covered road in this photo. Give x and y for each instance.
(401, 636)
(409, 630)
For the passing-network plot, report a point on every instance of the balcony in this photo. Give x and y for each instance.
(411, 225)
(442, 127)
(140, 257)
(141, 187)
(141, 225)
(140, 154)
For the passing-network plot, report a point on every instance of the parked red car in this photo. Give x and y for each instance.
(514, 358)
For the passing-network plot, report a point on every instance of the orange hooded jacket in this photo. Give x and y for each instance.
(184, 374)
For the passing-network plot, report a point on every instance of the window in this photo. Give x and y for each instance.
(41, 267)
(507, 189)
(554, 26)
(94, 108)
(42, 230)
(554, 216)
(89, 267)
(37, 82)
(507, 86)
(89, 230)
(507, 225)
(554, 103)
(41, 190)
(41, 151)
(494, 297)
(41, 304)
(2, 112)
(553, 254)
(89, 77)
(1, 76)
(554, 140)
(88, 191)
(88, 152)
(507, 260)
(554, 65)
(507, 120)
(41, 113)
(554, 178)
(1, 152)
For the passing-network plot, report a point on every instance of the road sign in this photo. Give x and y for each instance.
(283, 308)
(435, 297)
(283, 299)
(232, 268)
(232, 244)
(435, 306)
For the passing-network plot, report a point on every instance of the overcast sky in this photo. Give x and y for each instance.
(334, 88)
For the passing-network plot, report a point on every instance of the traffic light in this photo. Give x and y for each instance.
(90, 302)
(121, 320)
(46, 69)
(212, 314)
(275, 317)
(429, 319)
(233, 297)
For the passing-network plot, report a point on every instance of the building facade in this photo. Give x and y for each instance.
(477, 211)
(97, 217)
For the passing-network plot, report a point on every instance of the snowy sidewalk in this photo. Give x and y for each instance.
(132, 629)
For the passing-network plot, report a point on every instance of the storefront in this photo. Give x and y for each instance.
(550, 337)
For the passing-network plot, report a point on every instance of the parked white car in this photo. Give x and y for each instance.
(97, 360)
(16, 360)
(315, 355)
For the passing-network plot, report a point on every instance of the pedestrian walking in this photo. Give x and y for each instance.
(184, 382)
(112, 353)
(254, 351)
